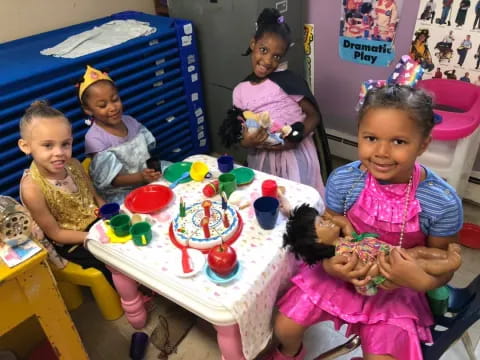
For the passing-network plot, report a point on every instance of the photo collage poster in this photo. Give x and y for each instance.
(446, 39)
(367, 31)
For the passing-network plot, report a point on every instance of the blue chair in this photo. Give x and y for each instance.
(463, 312)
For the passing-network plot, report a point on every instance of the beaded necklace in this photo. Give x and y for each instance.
(407, 202)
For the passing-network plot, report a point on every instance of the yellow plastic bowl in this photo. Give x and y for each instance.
(198, 171)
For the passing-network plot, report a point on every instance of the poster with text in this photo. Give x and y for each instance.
(367, 31)
(446, 39)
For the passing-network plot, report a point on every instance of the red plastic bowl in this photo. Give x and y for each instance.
(148, 199)
(470, 236)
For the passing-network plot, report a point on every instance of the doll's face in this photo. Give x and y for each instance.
(327, 231)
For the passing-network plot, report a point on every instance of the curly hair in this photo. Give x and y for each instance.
(271, 21)
(230, 130)
(300, 237)
(416, 102)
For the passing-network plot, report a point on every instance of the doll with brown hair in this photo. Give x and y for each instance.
(313, 237)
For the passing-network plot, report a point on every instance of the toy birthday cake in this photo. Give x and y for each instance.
(203, 225)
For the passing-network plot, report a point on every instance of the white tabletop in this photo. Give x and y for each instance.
(248, 300)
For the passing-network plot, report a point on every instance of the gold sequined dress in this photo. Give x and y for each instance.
(72, 211)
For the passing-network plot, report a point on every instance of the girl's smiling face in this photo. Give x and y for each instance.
(267, 53)
(389, 142)
(49, 141)
(103, 104)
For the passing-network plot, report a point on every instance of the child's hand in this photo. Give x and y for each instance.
(287, 145)
(401, 269)
(150, 175)
(345, 268)
(253, 138)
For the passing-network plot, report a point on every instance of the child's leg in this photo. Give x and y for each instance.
(81, 256)
(290, 335)
(387, 341)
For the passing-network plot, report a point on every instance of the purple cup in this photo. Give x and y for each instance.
(107, 211)
(225, 163)
(266, 211)
(138, 345)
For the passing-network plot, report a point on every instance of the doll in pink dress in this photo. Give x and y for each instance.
(387, 193)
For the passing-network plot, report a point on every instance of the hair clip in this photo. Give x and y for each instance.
(437, 118)
(256, 26)
(281, 19)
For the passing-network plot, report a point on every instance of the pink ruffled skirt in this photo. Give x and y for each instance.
(300, 164)
(391, 322)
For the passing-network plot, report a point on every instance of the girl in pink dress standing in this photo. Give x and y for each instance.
(287, 99)
(387, 193)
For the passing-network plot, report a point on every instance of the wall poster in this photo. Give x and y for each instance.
(367, 31)
(446, 39)
(308, 46)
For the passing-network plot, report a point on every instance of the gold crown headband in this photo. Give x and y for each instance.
(90, 77)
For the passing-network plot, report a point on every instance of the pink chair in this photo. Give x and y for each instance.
(456, 139)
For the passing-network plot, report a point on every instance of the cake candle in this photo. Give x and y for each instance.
(207, 204)
(206, 230)
(224, 201)
(226, 222)
(182, 208)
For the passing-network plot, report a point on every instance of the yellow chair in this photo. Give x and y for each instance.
(70, 277)
(86, 164)
(73, 275)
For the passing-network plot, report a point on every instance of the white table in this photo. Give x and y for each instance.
(240, 310)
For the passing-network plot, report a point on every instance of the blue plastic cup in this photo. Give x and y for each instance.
(225, 163)
(266, 211)
(107, 211)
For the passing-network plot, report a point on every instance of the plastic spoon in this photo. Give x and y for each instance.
(144, 240)
(186, 262)
(175, 183)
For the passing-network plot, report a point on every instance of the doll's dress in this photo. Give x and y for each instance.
(316, 296)
(367, 248)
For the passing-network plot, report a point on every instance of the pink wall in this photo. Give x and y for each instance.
(337, 82)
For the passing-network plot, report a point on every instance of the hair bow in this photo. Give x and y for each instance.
(406, 72)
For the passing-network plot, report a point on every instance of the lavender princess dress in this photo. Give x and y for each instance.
(390, 322)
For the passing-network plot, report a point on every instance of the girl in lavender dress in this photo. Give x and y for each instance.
(118, 144)
(387, 193)
(285, 96)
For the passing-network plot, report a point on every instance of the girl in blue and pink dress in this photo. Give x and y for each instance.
(287, 99)
(387, 193)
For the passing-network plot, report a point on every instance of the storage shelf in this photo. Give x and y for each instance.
(158, 77)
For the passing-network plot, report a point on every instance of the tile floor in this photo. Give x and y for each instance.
(106, 340)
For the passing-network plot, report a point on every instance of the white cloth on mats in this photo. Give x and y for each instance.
(100, 37)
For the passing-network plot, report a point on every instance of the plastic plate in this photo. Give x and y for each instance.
(148, 199)
(174, 171)
(244, 175)
(223, 279)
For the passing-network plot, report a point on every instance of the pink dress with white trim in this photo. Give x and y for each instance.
(390, 322)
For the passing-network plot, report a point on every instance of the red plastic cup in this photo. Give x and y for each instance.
(269, 188)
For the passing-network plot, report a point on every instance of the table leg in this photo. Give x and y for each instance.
(46, 303)
(131, 299)
(230, 342)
